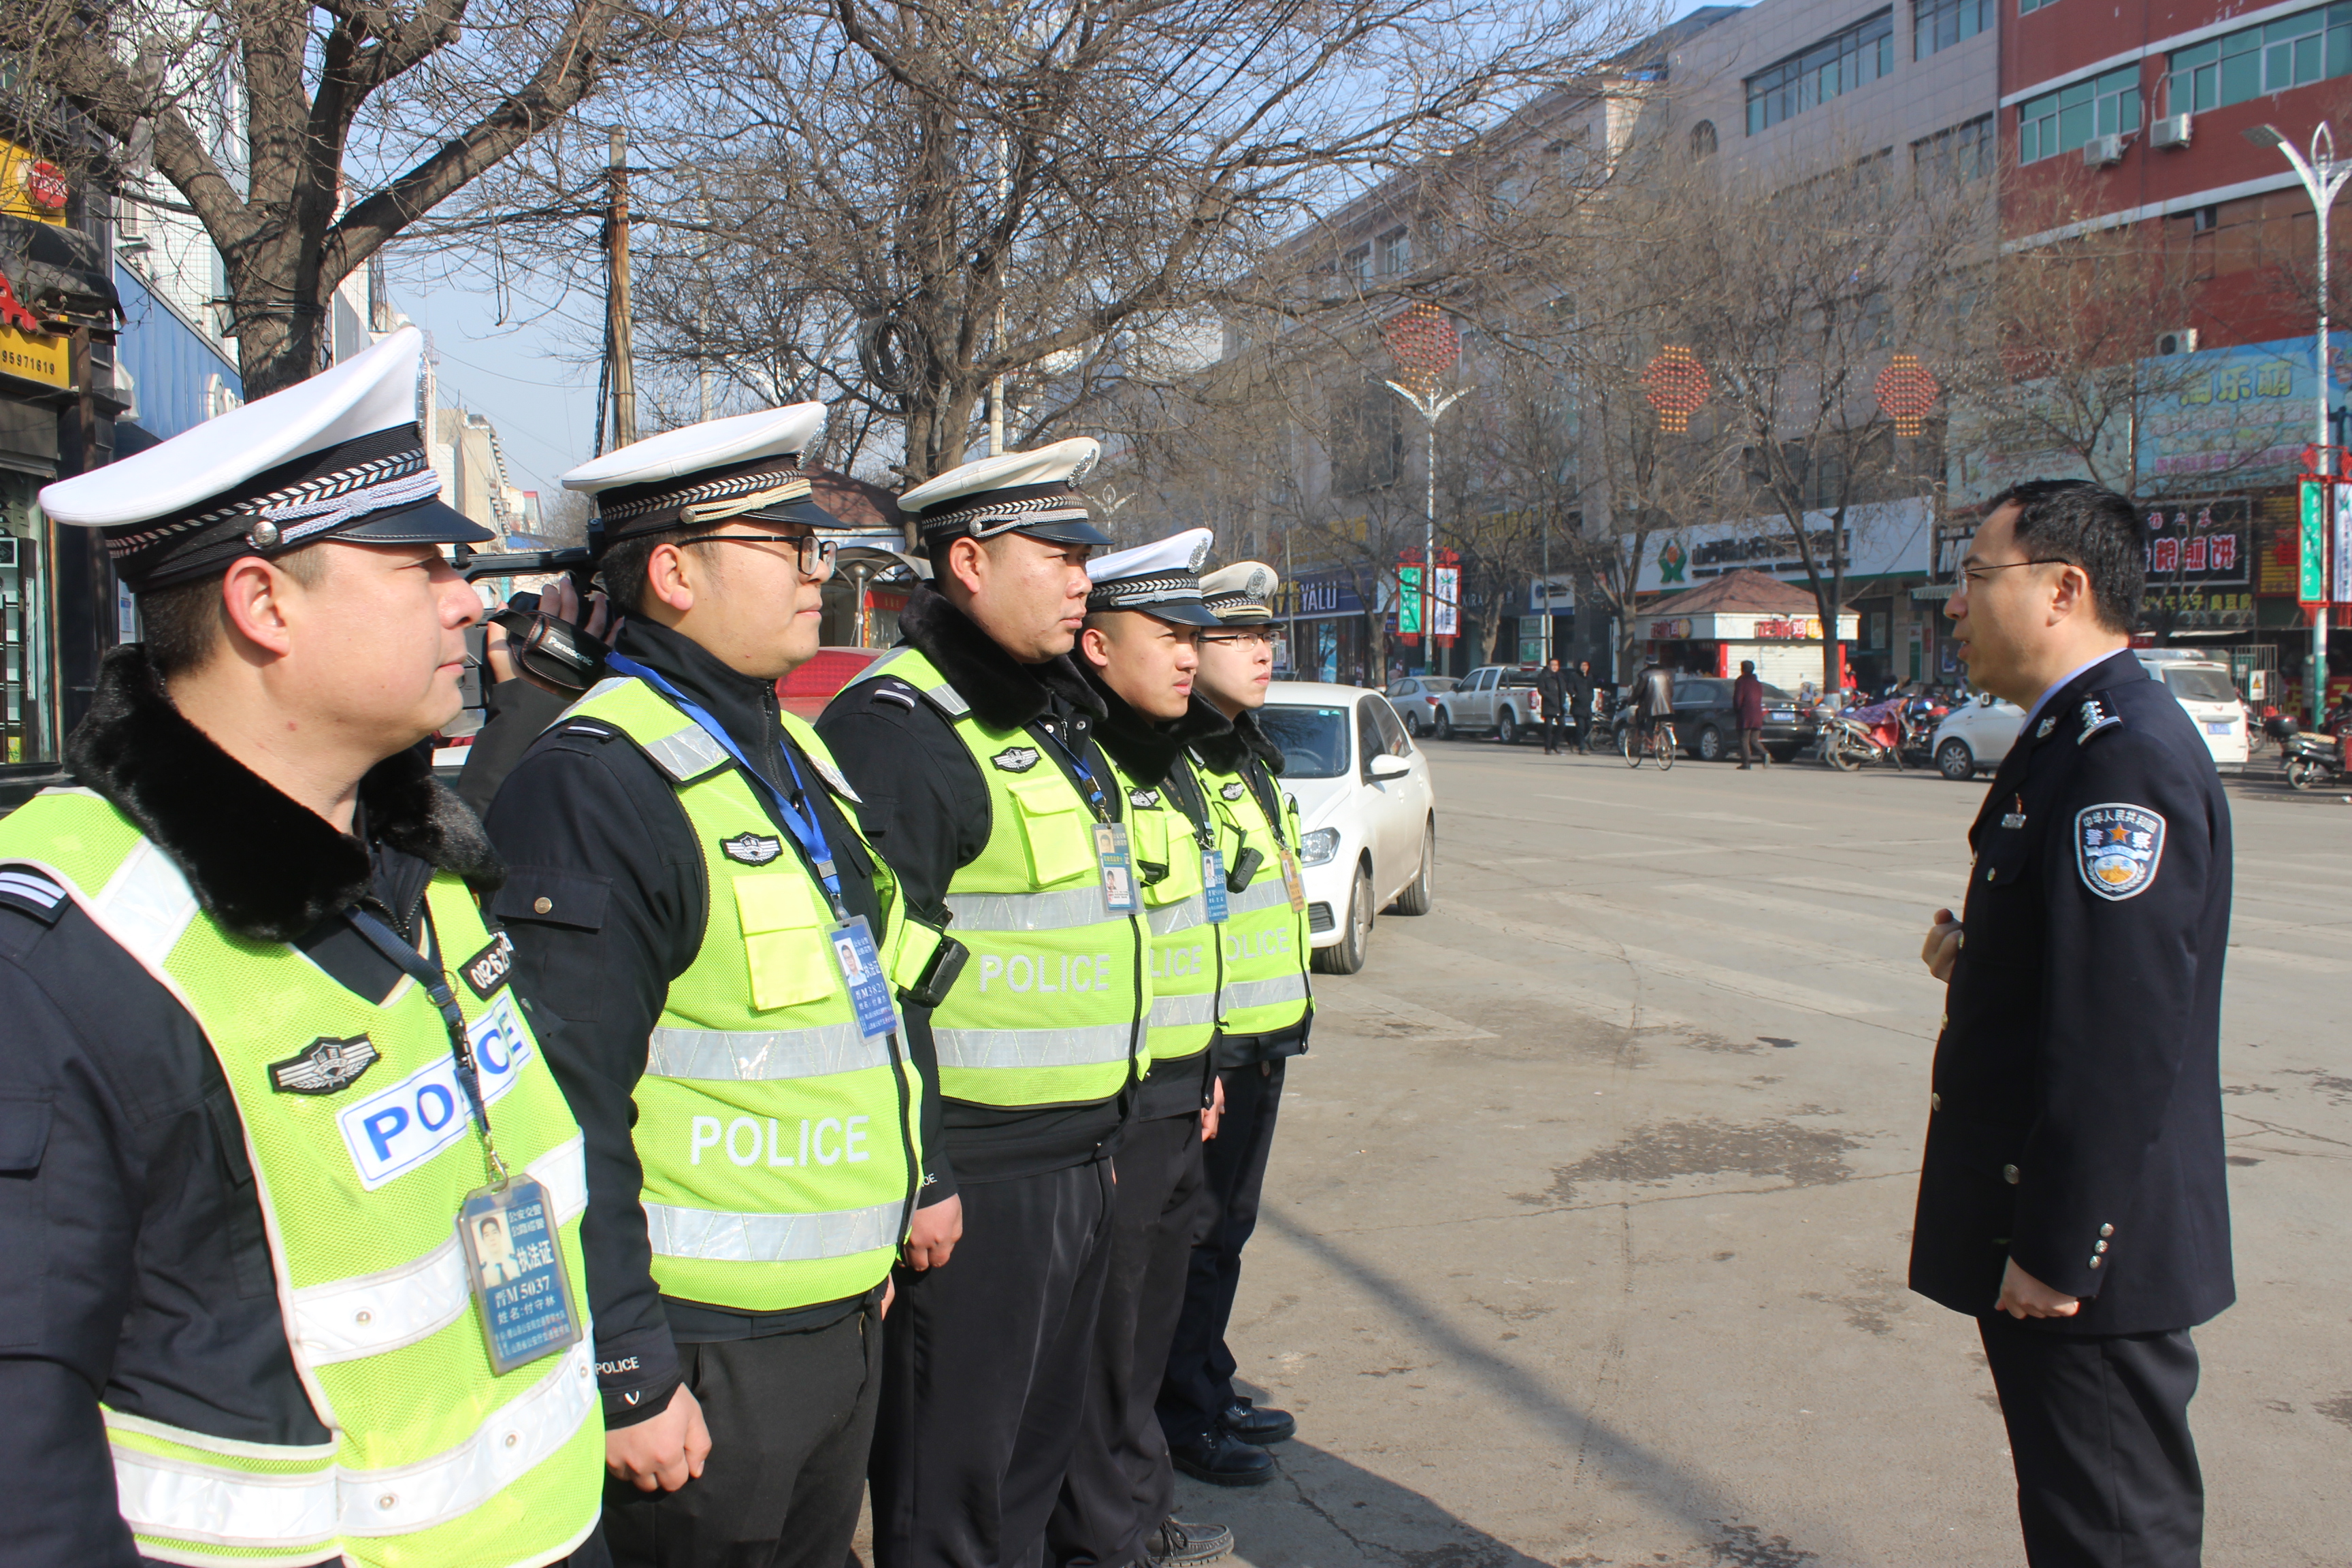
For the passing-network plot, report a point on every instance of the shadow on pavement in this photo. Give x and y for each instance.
(1320, 1511)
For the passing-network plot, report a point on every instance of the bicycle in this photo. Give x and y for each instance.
(1659, 747)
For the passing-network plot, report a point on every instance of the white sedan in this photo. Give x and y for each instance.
(1366, 811)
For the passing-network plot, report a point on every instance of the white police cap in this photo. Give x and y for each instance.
(745, 466)
(1031, 492)
(1243, 592)
(338, 455)
(1161, 579)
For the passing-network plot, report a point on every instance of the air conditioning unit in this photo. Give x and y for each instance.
(2172, 131)
(2179, 341)
(2101, 151)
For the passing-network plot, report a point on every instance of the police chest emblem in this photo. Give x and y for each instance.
(1016, 759)
(751, 849)
(2118, 849)
(329, 1067)
(1143, 799)
(1232, 791)
(488, 969)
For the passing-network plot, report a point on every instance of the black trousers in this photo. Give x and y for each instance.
(1120, 1483)
(2098, 1425)
(984, 1375)
(1751, 747)
(791, 1420)
(1551, 734)
(1199, 1382)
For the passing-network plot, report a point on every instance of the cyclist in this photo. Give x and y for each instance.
(1653, 698)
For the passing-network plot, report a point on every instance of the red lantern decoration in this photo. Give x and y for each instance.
(1677, 384)
(1905, 392)
(1425, 346)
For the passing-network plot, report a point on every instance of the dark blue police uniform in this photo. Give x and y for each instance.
(2075, 1122)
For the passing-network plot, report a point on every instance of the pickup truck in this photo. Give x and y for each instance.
(1498, 699)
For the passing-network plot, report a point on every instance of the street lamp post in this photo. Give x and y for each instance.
(2323, 175)
(1426, 347)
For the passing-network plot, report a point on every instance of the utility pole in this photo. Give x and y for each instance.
(617, 296)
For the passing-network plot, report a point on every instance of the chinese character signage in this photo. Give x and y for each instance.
(2311, 552)
(2200, 543)
(1409, 601)
(1448, 614)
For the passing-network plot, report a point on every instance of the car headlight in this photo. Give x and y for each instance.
(1318, 847)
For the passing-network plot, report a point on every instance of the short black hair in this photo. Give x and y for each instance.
(621, 567)
(2086, 526)
(181, 624)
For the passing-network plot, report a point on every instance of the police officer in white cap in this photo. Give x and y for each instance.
(1138, 649)
(974, 748)
(1264, 1013)
(691, 896)
(292, 1241)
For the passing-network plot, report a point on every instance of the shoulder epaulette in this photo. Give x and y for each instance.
(2096, 718)
(894, 691)
(22, 888)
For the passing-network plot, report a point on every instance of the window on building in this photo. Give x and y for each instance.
(1956, 156)
(1356, 265)
(2027, 7)
(2293, 51)
(1834, 67)
(28, 725)
(1703, 143)
(1393, 252)
(2060, 122)
(1939, 24)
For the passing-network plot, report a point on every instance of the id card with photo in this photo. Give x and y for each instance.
(1212, 882)
(1292, 881)
(514, 1265)
(861, 971)
(1116, 867)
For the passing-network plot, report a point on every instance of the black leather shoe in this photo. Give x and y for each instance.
(1251, 1425)
(1223, 1460)
(1177, 1542)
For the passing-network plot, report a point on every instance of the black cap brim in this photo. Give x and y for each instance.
(1075, 531)
(426, 522)
(1175, 612)
(804, 511)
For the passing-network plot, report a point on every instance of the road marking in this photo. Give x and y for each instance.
(1755, 901)
(1869, 890)
(2279, 958)
(1722, 977)
(1345, 997)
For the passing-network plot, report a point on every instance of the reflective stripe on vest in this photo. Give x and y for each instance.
(1049, 1009)
(758, 1034)
(1173, 1012)
(1282, 988)
(1186, 956)
(1265, 943)
(436, 1458)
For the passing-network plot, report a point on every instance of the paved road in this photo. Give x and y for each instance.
(1586, 1232)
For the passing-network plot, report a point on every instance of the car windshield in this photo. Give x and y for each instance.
(1519, 678)
(1314, 741)
(1776, 698)
(2207, 684)
(1439, 682)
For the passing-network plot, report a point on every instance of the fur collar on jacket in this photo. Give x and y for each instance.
(1145, 749)
(1004, 693)
(264, 865)
(1226, 752)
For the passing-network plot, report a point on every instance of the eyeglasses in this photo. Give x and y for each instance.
(816, 552)
(1239, 640)
(1977, 574)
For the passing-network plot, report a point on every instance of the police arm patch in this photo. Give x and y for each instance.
(2118, 849)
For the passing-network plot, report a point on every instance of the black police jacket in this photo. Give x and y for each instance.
(606, 898)
(133, 1269)
(2075, 1122)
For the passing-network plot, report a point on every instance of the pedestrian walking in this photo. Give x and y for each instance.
(1552, 688)
(691, 896)
(1581, 701)
(1265, 1011)
(309, 1232)
(973, 748)
(1748, 715)
(2072, 1197)
(1140, 652)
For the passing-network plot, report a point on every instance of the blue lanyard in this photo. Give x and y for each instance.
(1078, 766)
(801, 820)
(435, 985)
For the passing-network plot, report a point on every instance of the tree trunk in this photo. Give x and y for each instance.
(275, 348)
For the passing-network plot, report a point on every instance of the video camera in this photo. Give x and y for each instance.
(554, 650)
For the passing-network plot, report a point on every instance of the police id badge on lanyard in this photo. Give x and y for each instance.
(1292, 881)
(861, 971)
(1116, 866)
(1213, 884)
(514, 1256)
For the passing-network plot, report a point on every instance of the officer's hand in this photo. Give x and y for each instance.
(934, 1233)
(2024, 1296)
(1216, 1110)
(1942, 947)
(662, 1454)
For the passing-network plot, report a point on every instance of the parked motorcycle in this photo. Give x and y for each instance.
(2311, 761)
(1860, 735)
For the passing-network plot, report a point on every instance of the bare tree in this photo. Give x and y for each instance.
(305, 135)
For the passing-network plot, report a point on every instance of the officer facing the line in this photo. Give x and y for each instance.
(1138, 649)
(973, 746)
(2072, 1198)
(268, 1084)
(692, 897)
(1264, 1012)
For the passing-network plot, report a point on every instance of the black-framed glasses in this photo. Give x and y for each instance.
(1239, 640)
(816, 551)
(1977, 574)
